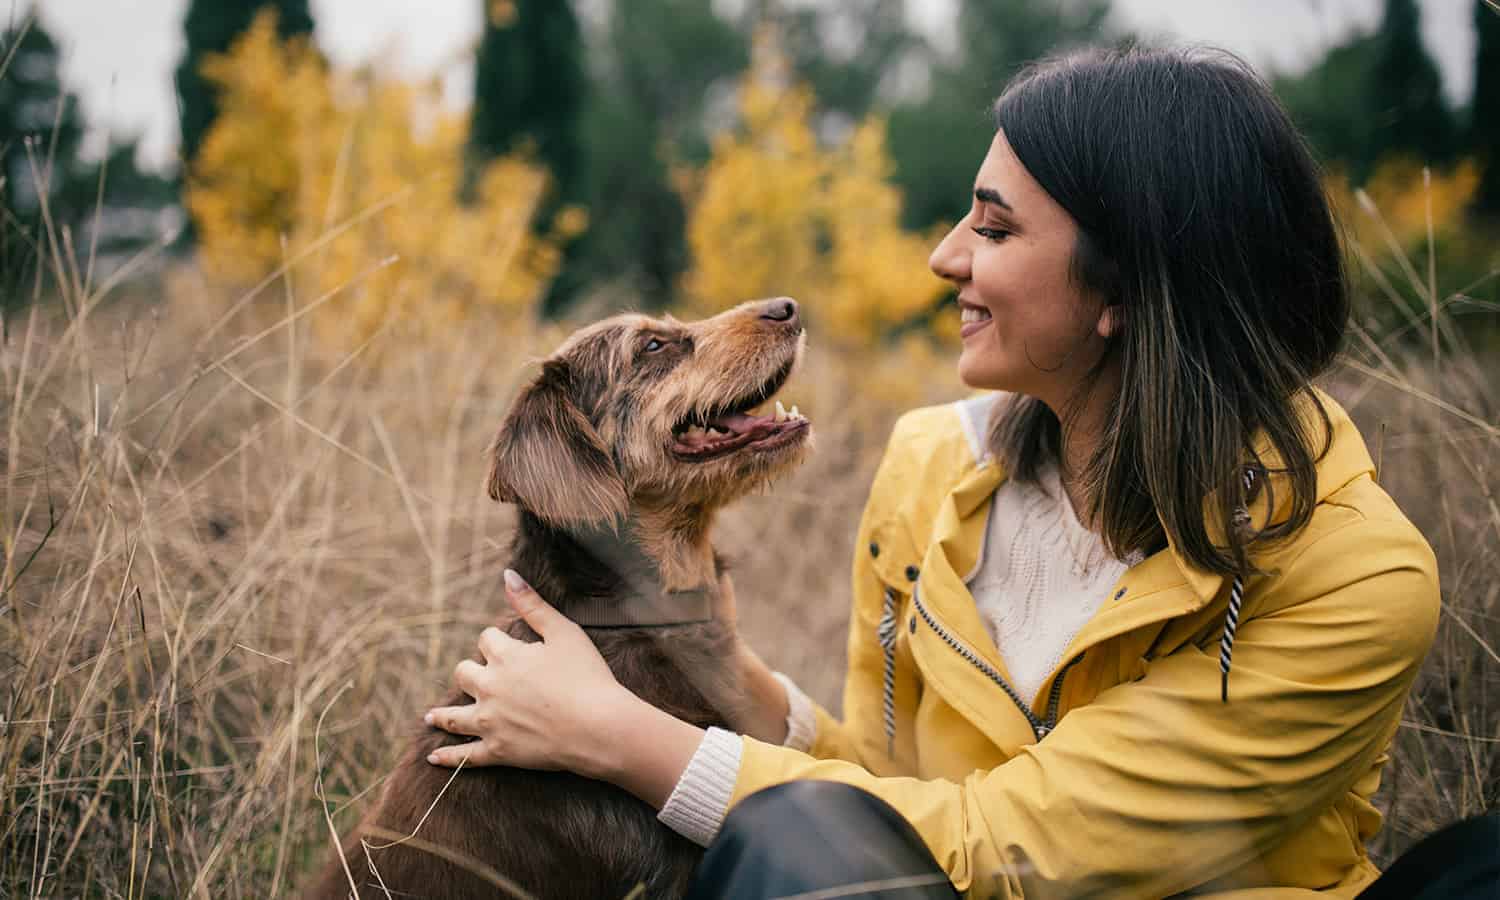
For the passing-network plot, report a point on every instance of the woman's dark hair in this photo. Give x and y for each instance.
(1201, 215)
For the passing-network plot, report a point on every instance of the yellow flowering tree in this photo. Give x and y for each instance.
(360, 179)
(1403, 269)
(1401, 193)
(774, 212)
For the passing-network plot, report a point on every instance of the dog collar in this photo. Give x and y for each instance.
(661, 610)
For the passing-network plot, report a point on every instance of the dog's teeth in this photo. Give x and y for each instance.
(794, 413)
(780, 412)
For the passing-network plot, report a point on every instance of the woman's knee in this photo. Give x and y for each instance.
(812, 835)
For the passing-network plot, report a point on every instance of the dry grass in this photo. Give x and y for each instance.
(215, 533)
(232, 561)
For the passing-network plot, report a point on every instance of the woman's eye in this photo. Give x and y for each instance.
(992, 234)
(654, 345)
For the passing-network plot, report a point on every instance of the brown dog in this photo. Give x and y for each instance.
(635, 432)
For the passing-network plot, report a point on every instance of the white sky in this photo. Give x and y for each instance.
(120, 54)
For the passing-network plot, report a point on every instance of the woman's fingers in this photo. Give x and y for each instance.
(466, 676)
(456, 719)
(474, 753)
(493, 643)
(537, 704)
(538, 613)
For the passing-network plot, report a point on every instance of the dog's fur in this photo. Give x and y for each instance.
(616, 504)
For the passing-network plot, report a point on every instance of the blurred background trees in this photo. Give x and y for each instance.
(247, 468)
(210, 27)
(1483, 138)
(629, 111)
(48, 187)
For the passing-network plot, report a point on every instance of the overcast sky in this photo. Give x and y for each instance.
(119, 54)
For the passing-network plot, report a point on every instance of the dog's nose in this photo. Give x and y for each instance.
(782, 309)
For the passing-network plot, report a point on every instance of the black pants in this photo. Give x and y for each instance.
(817, 840)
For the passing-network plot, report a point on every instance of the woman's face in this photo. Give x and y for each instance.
(1028, 327)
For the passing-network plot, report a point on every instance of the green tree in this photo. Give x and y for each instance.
(1332, 105)
(1410, 114)
(658, 69)
(996, 38)
(40, 122)
(853, 54)
(210, 27)
(529, 88)
(1484, 115)
(41, 129)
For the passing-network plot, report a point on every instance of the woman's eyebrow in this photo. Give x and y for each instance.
(990, 195)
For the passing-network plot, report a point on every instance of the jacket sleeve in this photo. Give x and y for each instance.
(1157, 786)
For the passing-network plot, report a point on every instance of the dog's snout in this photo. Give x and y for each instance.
(782, 310)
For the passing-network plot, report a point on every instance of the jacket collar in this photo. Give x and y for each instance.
(1345, 459)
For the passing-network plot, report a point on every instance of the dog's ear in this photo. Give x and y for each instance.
(550, 460)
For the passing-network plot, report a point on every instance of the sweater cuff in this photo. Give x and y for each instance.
(698, 803)
(801, 716)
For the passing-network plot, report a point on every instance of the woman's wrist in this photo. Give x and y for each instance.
(641, 749)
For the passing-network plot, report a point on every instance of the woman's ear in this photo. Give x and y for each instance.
(1111, 319)
(548, 458)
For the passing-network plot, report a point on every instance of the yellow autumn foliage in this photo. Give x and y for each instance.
(1400, 193)
(361, 178)
(773, 212)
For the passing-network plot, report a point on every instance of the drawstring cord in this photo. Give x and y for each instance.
(886, 632)
(1236, 594)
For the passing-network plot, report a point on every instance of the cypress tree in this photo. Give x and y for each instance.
(210, 27)
(1484, 115)
(35, 109)
(995, 39)
(1332, 106)
(1410, 114)
(35, 105)
(529, 88)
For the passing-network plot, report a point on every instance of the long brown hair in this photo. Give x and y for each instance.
(1201, 215)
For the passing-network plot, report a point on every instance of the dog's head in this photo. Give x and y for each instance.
(637, 411)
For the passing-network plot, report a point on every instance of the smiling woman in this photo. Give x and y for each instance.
(1140, 623)
(1030, 326)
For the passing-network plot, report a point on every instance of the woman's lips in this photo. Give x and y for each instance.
(969, 328)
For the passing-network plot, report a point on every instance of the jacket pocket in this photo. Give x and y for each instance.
(893, 554)
(893, 559)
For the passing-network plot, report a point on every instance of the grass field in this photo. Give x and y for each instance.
(234, 560)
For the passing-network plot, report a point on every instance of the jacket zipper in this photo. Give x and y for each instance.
(1039, 727)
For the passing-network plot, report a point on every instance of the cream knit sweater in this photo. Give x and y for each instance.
(1041, 577)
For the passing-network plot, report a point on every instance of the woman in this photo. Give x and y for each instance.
(1141, 623)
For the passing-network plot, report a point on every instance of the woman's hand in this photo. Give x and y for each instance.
(554, 704)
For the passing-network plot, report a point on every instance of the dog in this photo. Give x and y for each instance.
(618, 454)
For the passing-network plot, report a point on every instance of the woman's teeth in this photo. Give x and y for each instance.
(973, 314)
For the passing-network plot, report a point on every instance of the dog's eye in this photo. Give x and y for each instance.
(654, 345)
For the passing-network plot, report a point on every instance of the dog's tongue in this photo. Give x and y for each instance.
(739, 423)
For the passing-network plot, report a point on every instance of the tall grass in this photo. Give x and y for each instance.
(236, 564)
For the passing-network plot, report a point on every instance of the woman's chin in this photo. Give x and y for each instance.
(976, 372)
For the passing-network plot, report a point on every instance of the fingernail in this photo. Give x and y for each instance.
(432, 758)
(427, 718)
(514, 582)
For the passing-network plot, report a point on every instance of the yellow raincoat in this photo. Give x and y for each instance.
(1129, 777)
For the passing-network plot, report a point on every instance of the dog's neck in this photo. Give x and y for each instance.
(654, 569)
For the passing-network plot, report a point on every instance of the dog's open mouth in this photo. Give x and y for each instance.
(743, 424)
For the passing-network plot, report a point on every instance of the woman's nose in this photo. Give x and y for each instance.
(950, 258)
